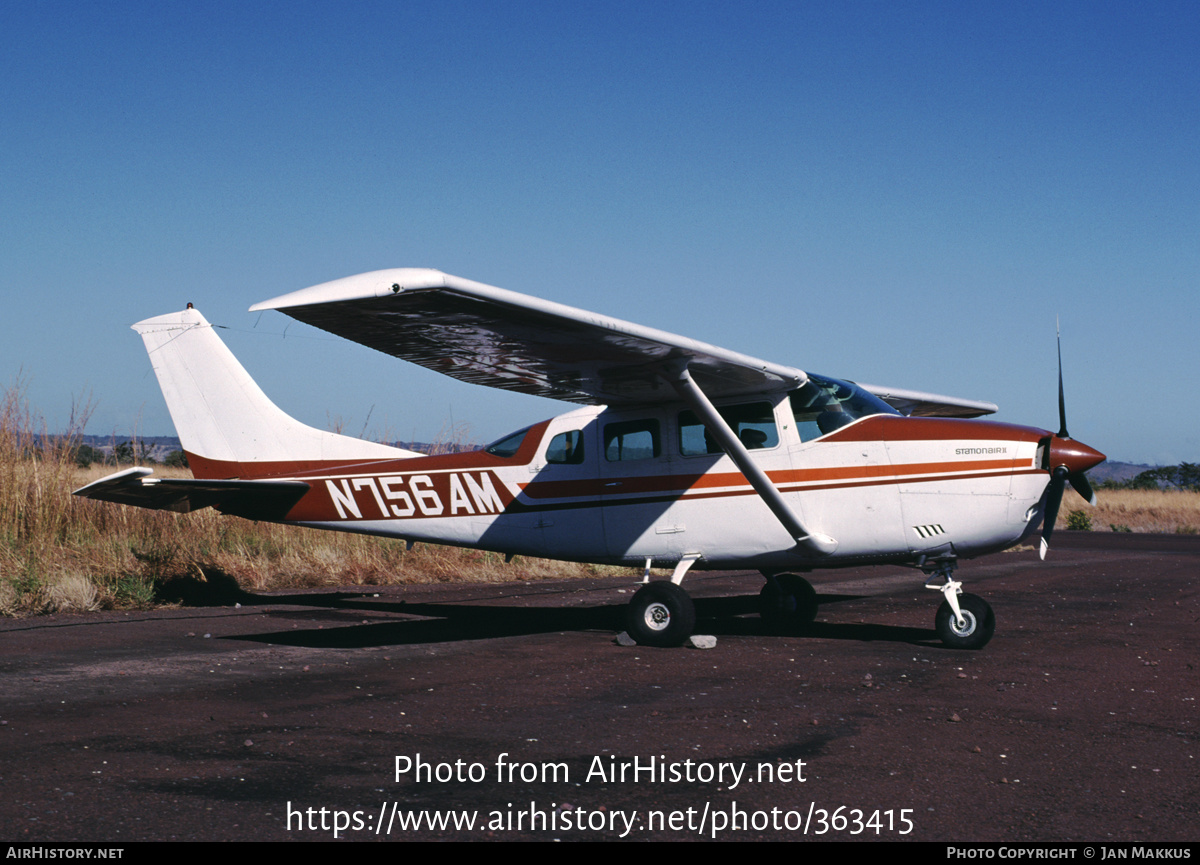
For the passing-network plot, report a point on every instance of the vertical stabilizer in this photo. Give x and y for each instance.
(227, 425)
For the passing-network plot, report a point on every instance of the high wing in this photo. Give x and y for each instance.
(918, 404)
(256, 500)
(487, 335)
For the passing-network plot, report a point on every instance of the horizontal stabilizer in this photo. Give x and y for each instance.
(256, 500)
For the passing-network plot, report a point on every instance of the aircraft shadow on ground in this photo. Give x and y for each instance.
(442, 623)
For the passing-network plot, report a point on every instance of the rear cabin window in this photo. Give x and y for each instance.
(752, 423)
(566, 448)
(632, 440)
(509, 445)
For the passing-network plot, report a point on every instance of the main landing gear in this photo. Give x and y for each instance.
(787, 602)
(660, 614)
(963, 621)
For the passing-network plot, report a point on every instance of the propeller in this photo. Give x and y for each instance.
(1067, 460)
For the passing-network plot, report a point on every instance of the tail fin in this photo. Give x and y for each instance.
(227, 425)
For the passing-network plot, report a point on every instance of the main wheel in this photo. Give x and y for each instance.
(660, 614)
(788, 601)
(979, 623)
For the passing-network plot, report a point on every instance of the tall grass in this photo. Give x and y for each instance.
(35, 523)
(1138, 511)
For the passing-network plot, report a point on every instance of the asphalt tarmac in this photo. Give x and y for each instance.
(471, 712)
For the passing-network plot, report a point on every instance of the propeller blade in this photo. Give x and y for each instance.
(1068, 460)
(1080, 484)
(1054, 494)
(1062, 402)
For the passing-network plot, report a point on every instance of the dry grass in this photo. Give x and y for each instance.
(1138, 511)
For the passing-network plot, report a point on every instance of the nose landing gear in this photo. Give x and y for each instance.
(963, 621)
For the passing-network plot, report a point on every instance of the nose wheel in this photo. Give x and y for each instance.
(963, 621)
(971, 629)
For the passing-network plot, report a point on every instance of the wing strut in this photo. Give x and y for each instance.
(681, 380)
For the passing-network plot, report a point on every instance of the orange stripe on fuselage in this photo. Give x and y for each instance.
(799, 478)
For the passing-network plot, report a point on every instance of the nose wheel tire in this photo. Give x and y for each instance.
(788, 601)
(660, 614)
(979, 623)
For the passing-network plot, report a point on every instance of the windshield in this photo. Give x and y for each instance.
(824, 404)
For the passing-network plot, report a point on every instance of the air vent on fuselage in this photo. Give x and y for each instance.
(929, 531)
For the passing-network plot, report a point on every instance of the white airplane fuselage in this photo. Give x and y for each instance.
(888, 488)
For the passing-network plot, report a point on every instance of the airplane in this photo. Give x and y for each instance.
(682, 454)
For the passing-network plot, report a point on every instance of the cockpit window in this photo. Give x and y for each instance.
(823, 405)
(509, 445)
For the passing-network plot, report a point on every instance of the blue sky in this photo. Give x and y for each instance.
(899, 193)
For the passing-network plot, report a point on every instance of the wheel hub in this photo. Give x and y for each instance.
(968, 624)
(658, 616)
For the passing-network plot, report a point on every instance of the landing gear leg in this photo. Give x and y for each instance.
(963, 621)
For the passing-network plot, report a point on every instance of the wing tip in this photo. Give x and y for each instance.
(362, 286)
(125, 477)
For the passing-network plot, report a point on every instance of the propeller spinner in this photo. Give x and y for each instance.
(1067, 460)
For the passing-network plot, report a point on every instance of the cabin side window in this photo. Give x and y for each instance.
(632, 440)
(566, 448)
(752, 423)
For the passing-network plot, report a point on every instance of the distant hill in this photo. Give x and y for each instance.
(1115, 471)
